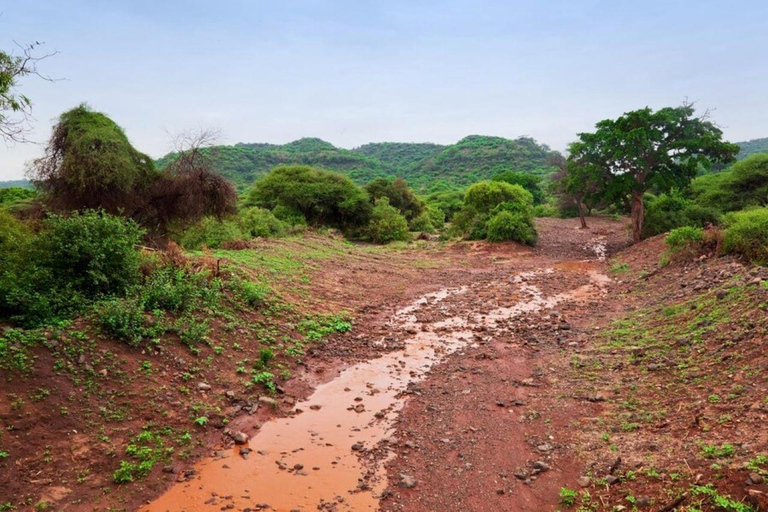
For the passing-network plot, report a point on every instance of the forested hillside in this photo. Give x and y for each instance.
(15, 183)
(400, 158)
(244, 163)
(420, 164)
(478, 157)
(751, 147)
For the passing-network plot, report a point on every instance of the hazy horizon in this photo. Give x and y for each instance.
(355, 72)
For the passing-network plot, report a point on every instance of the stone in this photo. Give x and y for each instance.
(584, 481)
(407, 481)
(230, 394)
(755, 478)
(265, 400)
(203, 386)
(541, 465)
(610, 479)
(546, 447)
(240, 437)
(721, 294)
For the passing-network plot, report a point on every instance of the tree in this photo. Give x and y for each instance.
(528, 181)
(322, 197)
(399, 195)
(90, 164)
(15, 108)
(644, 150)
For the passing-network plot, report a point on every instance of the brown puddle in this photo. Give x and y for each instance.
(311, 461)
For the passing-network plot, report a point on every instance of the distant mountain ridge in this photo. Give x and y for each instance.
(423, 165)
(753, 146)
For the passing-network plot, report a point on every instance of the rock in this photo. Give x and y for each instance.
(521, 475)
(407, 481)
(359, 408)
(265, 400)
(654, 367)
(357, 447)
(298, 467)
(230, 394)
(721, 294)
(103, 372)
(240, 437)
(541, 465)
(546, 447)
(643, 502)
(169, 469)
(755, 478)
(610, 479)
(315, 407)
(584, 481)
(203, 386)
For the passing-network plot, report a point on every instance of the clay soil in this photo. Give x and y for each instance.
(616, 386)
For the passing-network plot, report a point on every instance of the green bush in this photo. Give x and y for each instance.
(746, 233)
(686, 236)
(260, 222)
(526, 180)
(172, 289)
(486, 195)
(422, 223)
(436, 217)
(387, 224)
(399, 195)
(322, 197)
(211, 233)
(289, 216)
(511, 226)
(122, 319)
(73, 261)
(670, 211)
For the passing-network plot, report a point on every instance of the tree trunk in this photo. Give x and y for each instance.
(638, 212)
(581, 216)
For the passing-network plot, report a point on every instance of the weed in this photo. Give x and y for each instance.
(568, 497)
(266, 379)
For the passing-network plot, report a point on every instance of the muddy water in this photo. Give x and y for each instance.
(312, 460)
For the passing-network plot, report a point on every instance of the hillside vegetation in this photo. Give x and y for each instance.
(750, 147)
(471, 159)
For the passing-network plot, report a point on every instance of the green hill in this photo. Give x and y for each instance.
(244, 163)
(400, 158)
(423, 165)
(479, 157)
(751, 147)
(16, 183)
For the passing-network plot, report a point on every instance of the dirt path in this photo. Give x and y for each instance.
(457, 417)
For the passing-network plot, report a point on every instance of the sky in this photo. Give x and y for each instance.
(358, 71)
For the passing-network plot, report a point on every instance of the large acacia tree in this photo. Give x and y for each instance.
(645, 150)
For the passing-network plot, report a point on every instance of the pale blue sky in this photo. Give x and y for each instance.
(358, 71)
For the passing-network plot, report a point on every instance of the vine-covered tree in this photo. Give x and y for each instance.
(644, 150)
(89, 164)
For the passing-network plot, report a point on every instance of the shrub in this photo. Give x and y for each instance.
(422, 223)
(386, 223)
(260, 222)
(683, 237)
(746, 233)
(122, 319)
(399, 195)
(436, 217)
(669, 211)
(171, 289)
(72, 261)
(290, 216)
(210, 232)
(486, 195)
(92, 252)
(507, 225)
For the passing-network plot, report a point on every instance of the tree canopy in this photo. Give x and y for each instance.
(398, 194)
(645, 150)
(322, 197)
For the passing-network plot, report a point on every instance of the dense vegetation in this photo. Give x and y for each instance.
(752, 147)
(426, 167)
